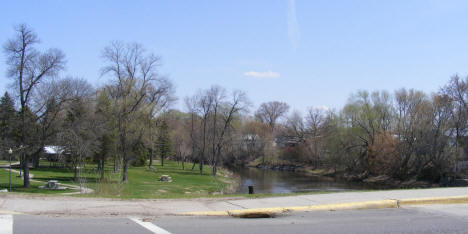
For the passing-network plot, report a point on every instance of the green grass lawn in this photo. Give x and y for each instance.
(142, 182)
(6, 162)
(17, 184)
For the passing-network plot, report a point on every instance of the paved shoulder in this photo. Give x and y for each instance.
(456, 210)
(406, 220)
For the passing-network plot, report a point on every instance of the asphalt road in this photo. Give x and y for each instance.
(424, 219)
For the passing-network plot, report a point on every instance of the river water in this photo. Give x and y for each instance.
(272, 181)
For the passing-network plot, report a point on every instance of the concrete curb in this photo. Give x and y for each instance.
(433, 200)
(9, 212)
(206, 213)
(379, 204)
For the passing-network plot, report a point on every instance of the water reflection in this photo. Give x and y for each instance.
(270, 181)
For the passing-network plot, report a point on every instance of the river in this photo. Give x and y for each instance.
(272, 181)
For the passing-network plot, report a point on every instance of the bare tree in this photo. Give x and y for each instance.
(47, 104)
(411, 106)
(205, 103)
(239, 103)
(159, 98)
(211, 119)
(191, 105)
(28, 67)
(457, 91)
(135, 79)
(79, 133)
(217, 94)
(270, 112)
(254, 138)
(315, 121)
(296, 126)
(179, 123)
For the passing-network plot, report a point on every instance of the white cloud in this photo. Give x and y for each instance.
(324, 108)
(321, 108)
(293, 26)
(267, 74)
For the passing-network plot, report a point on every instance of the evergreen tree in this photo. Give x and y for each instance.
(108, 135)
(7, 121)
(164, 141)
(140, 154)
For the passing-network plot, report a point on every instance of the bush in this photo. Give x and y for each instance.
(141, 156)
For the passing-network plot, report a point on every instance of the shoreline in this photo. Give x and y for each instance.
(373, 182)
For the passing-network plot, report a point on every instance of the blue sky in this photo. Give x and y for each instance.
(306, 53)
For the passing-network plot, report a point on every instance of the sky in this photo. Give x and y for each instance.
(307, 53)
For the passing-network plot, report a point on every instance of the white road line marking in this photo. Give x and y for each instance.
(150, 226)
(6, 224)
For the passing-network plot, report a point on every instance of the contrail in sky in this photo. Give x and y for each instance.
(293, 26)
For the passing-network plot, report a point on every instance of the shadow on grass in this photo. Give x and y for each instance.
(172, 171)
(65, 178)
(33, 189)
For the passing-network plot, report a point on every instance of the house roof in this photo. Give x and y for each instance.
(53, 149)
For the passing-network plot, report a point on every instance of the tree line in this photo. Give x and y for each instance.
(401, 136)
(130, 121)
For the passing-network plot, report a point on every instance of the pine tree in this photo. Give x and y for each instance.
(164, 141)
(7, 121)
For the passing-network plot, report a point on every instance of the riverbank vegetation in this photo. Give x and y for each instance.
(124, 125)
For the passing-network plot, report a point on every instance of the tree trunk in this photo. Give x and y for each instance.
(183, 160)
(36, 158)
(124, 174)
(123, 141)
(192, 140)
(202, 154)
(215, 163)
(200, 164)
(75, 173)
(457, 138)
(26, 182)
(162, 160)
(215, 170)
(151, 159)
(213, 159)
(116, 165)
(26, 171)
(21, 164)
(102, 169)
(23, 120)
(217, 155)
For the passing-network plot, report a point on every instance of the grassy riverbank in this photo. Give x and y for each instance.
(142, 182)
